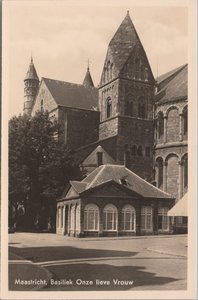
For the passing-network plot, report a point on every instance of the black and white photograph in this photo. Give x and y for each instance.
(98, 150)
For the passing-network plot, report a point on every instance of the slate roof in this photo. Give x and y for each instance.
(72, 95)
(88, 82)
(180, 209)
(92, 157)
(173, 85)
(122, 44)
(31, 73)
(106, 173)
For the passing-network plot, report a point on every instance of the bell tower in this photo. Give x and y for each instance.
(31, 82)
(126, 98)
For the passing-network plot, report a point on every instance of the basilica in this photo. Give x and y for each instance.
(129, 137)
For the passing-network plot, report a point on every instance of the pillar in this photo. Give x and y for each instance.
(180, 127)
(165, 164)
(100, 232)
(181, 179)
(64, 208)
(165, 129)
(157, 174)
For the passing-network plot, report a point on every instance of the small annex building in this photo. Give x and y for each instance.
(113, 201)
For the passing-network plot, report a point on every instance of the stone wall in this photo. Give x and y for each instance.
(79, 127)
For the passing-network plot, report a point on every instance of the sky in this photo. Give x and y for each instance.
(62, 35)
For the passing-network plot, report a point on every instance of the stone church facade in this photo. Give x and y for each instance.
(131, 119)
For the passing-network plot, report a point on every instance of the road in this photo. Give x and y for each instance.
(70, 264)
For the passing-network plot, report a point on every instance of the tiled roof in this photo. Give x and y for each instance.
(166, 75)
(118, 173)
(31, 73)
(72, 95)
(174, 86)
(88, 82)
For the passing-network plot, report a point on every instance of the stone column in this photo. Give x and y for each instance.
(64, 208)
(181, 179)
(165, 164)
(69, 218)
(100, 232)
(180, 127)
(119, 231)
(165, 129)
(157, 174)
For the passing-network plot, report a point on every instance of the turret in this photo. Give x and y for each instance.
(31, 87)
(88, 82)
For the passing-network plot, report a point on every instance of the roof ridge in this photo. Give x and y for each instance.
(172, 72)
(67, 82)
(102, 168)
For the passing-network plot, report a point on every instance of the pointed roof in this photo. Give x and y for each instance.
(122, 44)
(123, 177)
(72, 94)
(88, 82)
(31, 73)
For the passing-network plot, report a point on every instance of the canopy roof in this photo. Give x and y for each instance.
(180, 209)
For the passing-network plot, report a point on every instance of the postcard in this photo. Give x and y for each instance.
(98, 149)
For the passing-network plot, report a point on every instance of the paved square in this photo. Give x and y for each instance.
(52, 262)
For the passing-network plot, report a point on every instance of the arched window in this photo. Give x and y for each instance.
(133, 150)
(129, 108)
(137, 68)
(185, 168)
(185, 121)
(109, 107)
(142, 73)
(160, 124)
(159, 178)
(110, 218)
(146, 74)
(163, 218)
(91, 217)
(139, 151)
(142, 110)
(42, 105)
(128, 218)
(146, 218)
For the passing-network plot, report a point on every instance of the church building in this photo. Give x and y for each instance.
(129, 137)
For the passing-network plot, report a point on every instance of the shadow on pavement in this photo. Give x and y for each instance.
(135, 275)
(40, 254)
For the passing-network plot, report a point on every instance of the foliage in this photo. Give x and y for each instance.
(40, 166)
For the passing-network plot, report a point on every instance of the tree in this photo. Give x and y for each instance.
(40, 166)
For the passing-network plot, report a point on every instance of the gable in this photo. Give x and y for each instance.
(72, 193)
(44, 94)
(111, 189)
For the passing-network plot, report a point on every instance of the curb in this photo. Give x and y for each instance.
(165, 252)
(49, 275)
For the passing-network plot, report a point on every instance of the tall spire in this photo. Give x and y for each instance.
(31, 73)
(31, 87)
(88, 82)
(120, 47)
